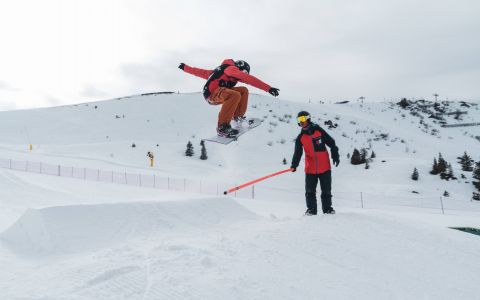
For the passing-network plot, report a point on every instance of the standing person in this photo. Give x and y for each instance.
(313, 139)
(220, 89)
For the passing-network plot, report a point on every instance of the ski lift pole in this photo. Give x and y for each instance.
(256, 180)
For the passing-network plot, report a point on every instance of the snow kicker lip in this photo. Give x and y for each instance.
(471, 230)
(77, 228)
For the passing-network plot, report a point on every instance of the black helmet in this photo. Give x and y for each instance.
(302, 117)
(243, 65)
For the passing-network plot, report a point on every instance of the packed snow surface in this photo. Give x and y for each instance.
(68, 238)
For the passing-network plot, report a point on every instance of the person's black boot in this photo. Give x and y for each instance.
(310, 212)
(226, 130)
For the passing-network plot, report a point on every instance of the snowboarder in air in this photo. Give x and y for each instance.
(313, 139)
(220, 89)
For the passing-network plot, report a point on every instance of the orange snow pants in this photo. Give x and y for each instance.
(234, 103)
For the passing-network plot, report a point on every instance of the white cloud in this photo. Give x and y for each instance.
(81, 50)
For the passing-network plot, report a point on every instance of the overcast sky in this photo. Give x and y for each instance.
(56, 52)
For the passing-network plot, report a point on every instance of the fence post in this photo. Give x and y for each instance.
(112, 176)
(126, 182)
(361, 198)
(72, 172)
(441, 203)
(98, 174)
(40, 168)
(253, 191)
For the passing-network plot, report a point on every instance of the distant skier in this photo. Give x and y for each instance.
(220, 89)
(312, 139)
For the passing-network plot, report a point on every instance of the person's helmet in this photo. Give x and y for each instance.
(303, 117)
(243, 66)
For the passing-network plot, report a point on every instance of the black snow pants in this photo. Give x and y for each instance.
(311, 190)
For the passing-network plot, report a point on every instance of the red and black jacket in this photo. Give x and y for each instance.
(226, 75)
(314, 140)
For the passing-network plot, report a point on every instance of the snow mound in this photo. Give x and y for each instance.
(74, 228)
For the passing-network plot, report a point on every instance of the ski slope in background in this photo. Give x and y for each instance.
(64, 238)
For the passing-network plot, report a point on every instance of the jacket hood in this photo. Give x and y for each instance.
(228, 61)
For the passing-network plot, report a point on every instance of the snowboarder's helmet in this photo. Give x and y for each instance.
(243, 66)
(303, 117)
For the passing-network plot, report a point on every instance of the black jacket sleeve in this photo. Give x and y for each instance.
(330, 142)
(297, 155)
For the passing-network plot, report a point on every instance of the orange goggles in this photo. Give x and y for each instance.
(302, 119)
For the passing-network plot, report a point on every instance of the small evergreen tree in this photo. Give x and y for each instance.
(446, 194)
(356, 159)
(189, 151)
(203, 156)
(442, 164)
(348, 155)
(284, 161)
(476, 175)
(434, 170)
(466, 162)
(448, 173)
(367, 165)
(363, 155)
(373, 155)
(415, 174)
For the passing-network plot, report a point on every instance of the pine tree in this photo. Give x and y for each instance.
(466, 162)
(203, 156)
(356, 159)
(476, 175)
(434, 170)
(448, 173)
(415, 174)
(363, 155)
(373, 155)
(284, 161)
(189, 151)
(442, 164)
(446, 194)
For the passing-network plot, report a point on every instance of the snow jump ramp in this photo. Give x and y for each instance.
(76, 228)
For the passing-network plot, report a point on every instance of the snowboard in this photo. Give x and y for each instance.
(245, 126)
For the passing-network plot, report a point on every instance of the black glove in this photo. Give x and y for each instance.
(336, 161)
(273, 91)
(181, 66)
(293, 169)
(335, 157)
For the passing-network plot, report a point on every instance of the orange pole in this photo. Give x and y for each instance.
(255, 181)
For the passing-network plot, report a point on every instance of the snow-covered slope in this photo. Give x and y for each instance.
(64, 238)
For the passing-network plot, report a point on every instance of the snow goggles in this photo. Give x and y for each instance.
(302, 119)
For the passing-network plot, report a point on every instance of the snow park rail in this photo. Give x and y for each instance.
(354, 199)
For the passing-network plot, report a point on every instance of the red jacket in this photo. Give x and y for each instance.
(314, 141)
(227, 75)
